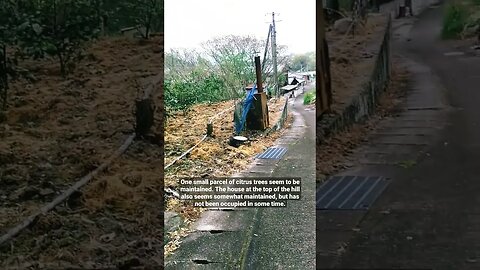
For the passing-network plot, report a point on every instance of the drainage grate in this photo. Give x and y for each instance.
(273, 153)
(350, 192)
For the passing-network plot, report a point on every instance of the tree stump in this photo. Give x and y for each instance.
(210, 130)
(144, 115)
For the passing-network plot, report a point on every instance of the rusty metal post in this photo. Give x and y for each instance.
(258, 71)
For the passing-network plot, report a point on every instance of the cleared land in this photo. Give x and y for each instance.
(58, 130)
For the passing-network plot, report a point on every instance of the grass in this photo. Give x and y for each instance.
(309, 97)
(406, 164)
(456, 17)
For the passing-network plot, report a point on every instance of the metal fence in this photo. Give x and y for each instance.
(364, 104)
(382, 70)
(281, 122)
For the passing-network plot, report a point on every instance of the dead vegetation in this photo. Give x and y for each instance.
(214, 157)
(57, 131)
(352, 59)
(334, 154)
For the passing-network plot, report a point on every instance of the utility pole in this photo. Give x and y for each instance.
(274, 55)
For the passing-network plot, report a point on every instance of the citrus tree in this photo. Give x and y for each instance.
(146, 13)
(58, 28)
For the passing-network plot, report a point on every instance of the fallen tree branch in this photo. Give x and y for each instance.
(66, 194)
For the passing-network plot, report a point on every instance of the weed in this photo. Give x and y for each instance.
(455, 19)
(309, 97)
(406, 164)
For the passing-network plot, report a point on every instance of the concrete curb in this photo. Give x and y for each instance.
(364, 104)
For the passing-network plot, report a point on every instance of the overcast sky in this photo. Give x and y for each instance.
(188, 23)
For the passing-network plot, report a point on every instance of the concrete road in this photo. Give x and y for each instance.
(429, 217)
(285, 238)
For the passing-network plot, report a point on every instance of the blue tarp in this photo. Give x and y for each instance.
(247, 104)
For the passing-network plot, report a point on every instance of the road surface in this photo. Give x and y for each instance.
(429, 216)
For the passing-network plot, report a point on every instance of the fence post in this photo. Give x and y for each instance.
(144, 116)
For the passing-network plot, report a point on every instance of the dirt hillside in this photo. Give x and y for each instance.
(58, 130)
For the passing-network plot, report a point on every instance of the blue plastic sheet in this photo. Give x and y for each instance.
(247, 104)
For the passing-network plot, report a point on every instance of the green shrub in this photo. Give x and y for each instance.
(181, 94)
(309, 98)
(456, 17)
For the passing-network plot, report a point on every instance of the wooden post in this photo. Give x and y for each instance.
(323, 80)
(144, 116)
(257, 117)
(258, 71)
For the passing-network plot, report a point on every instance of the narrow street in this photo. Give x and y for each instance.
(263, 238)
(283, 238)
(429, 215)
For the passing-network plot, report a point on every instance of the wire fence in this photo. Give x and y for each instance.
(364, 104)
(382, 70)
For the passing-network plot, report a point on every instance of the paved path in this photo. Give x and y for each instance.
(429, 217)
(263, 238)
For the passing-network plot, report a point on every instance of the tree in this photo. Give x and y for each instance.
(233, 57)
(220, 72)
(303, 62)
(181, 62)
(58, 28)
(190, 79)
(148, 14)
(8, 26)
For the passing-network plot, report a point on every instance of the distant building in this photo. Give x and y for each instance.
(308, 75)
(289, 88)
(301, 77)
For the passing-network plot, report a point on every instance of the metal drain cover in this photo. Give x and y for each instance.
(273, 153)
(350, 192)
